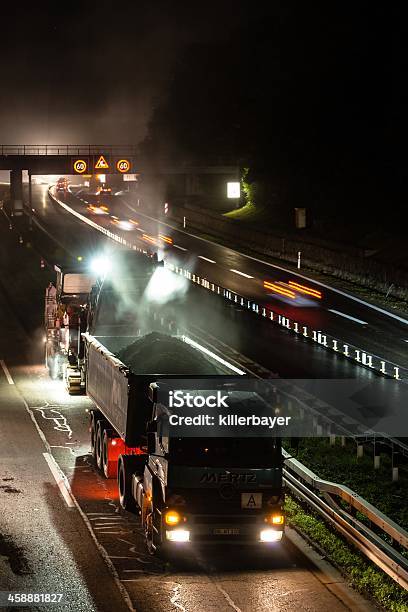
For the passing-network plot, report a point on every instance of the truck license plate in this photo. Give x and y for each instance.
(226, 531)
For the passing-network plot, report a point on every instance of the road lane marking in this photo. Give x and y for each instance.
(59, 479)
(206, 259)
(241, 273)
(6, 372)
(343, 314)
(179, 247)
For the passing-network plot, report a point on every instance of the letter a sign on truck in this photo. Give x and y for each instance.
(251, 500)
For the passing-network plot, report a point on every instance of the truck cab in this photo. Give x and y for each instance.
(208, 490)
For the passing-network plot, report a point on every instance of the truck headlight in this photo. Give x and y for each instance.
(178, 535)
(270, 535)
(172, 517)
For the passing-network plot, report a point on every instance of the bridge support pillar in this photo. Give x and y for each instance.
(16, 191)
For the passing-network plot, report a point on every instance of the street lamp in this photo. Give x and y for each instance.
(233, 190)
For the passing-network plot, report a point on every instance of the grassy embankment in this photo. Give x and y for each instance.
(341, 465)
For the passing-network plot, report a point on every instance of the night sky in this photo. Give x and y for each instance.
(312, 97)
(91, 71)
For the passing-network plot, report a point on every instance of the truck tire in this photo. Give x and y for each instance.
(100, 426)
(94, 416)
(127, 466)
(152, 526)
(152, 539)
(109, 466)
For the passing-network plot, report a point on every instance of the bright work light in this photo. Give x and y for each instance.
(100, 266)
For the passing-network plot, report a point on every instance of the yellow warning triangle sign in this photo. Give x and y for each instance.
(101, 164)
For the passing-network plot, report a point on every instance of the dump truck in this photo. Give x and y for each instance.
(205, 489)
(81, 294)
(65, 317)
(188, 491)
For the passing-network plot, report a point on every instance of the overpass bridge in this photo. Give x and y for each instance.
(62, 159)
(107, 159)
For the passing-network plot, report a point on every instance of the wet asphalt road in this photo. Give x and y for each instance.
(45, 544)
(273, 347)
(344, 318)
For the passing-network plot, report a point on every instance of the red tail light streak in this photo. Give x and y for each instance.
(281, 290)
(306, 290)
(165, 239)
(149, 238)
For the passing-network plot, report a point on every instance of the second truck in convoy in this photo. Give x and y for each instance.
(188, 490)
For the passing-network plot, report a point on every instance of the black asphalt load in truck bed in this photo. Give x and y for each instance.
(157, 353)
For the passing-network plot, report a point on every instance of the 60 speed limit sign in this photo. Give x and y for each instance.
(80, 166)
(123, 165)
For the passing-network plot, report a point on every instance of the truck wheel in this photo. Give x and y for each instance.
(94, 415)
(98, 444)
(109, 466)
(126, 465)
(152, 539)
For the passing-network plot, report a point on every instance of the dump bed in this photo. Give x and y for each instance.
(108, 384)
(122, 395)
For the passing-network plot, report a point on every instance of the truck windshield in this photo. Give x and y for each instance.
(226, 452)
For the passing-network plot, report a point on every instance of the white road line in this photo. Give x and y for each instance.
(59, 479)
(241, 273)
(179, 247)
(342, 314)
(6, 372)
(206, 259)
